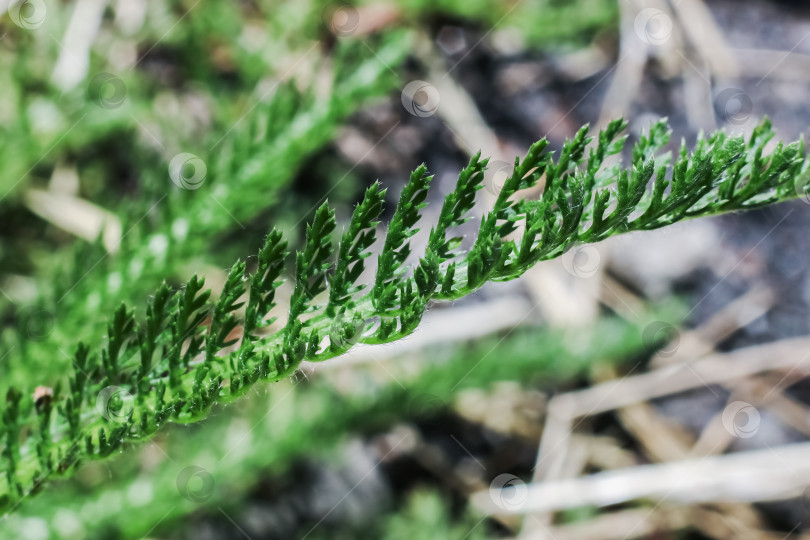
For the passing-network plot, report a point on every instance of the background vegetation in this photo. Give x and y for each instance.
(276, 106)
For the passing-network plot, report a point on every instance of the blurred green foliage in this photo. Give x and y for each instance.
(237, 86)
(256, 141)
(256, 89)
(541, 23)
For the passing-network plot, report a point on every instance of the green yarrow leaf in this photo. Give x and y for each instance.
(186, 354)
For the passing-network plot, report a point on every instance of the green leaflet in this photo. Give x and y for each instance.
(183, 358)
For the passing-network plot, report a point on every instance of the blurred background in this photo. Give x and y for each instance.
(651, 386)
